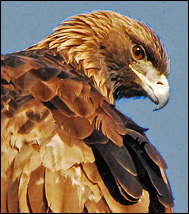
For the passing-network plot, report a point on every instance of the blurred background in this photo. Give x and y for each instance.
(24, 23)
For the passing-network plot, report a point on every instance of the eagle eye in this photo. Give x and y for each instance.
(138, 52)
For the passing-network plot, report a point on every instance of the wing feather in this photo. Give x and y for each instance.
(36, 189)
(66, 149)
(12, 197)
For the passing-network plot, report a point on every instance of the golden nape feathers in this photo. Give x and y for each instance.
(65, 146)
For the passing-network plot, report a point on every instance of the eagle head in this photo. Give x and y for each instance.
(123, 57)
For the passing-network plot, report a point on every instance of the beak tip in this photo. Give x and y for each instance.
(157, 108)
(161, 105)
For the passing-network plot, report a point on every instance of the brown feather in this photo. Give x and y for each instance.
(12, 197)
(36, 189)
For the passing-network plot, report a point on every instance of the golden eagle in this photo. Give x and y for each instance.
(65, 146)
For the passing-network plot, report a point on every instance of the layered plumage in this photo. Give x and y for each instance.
(65, 146)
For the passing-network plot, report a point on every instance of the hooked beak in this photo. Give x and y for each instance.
(159, 92)
(156, 87)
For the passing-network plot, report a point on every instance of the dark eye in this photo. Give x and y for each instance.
(138, 52)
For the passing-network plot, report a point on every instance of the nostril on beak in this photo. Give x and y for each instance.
(159, 83)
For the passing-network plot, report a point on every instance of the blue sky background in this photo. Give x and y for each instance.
(25, 23)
